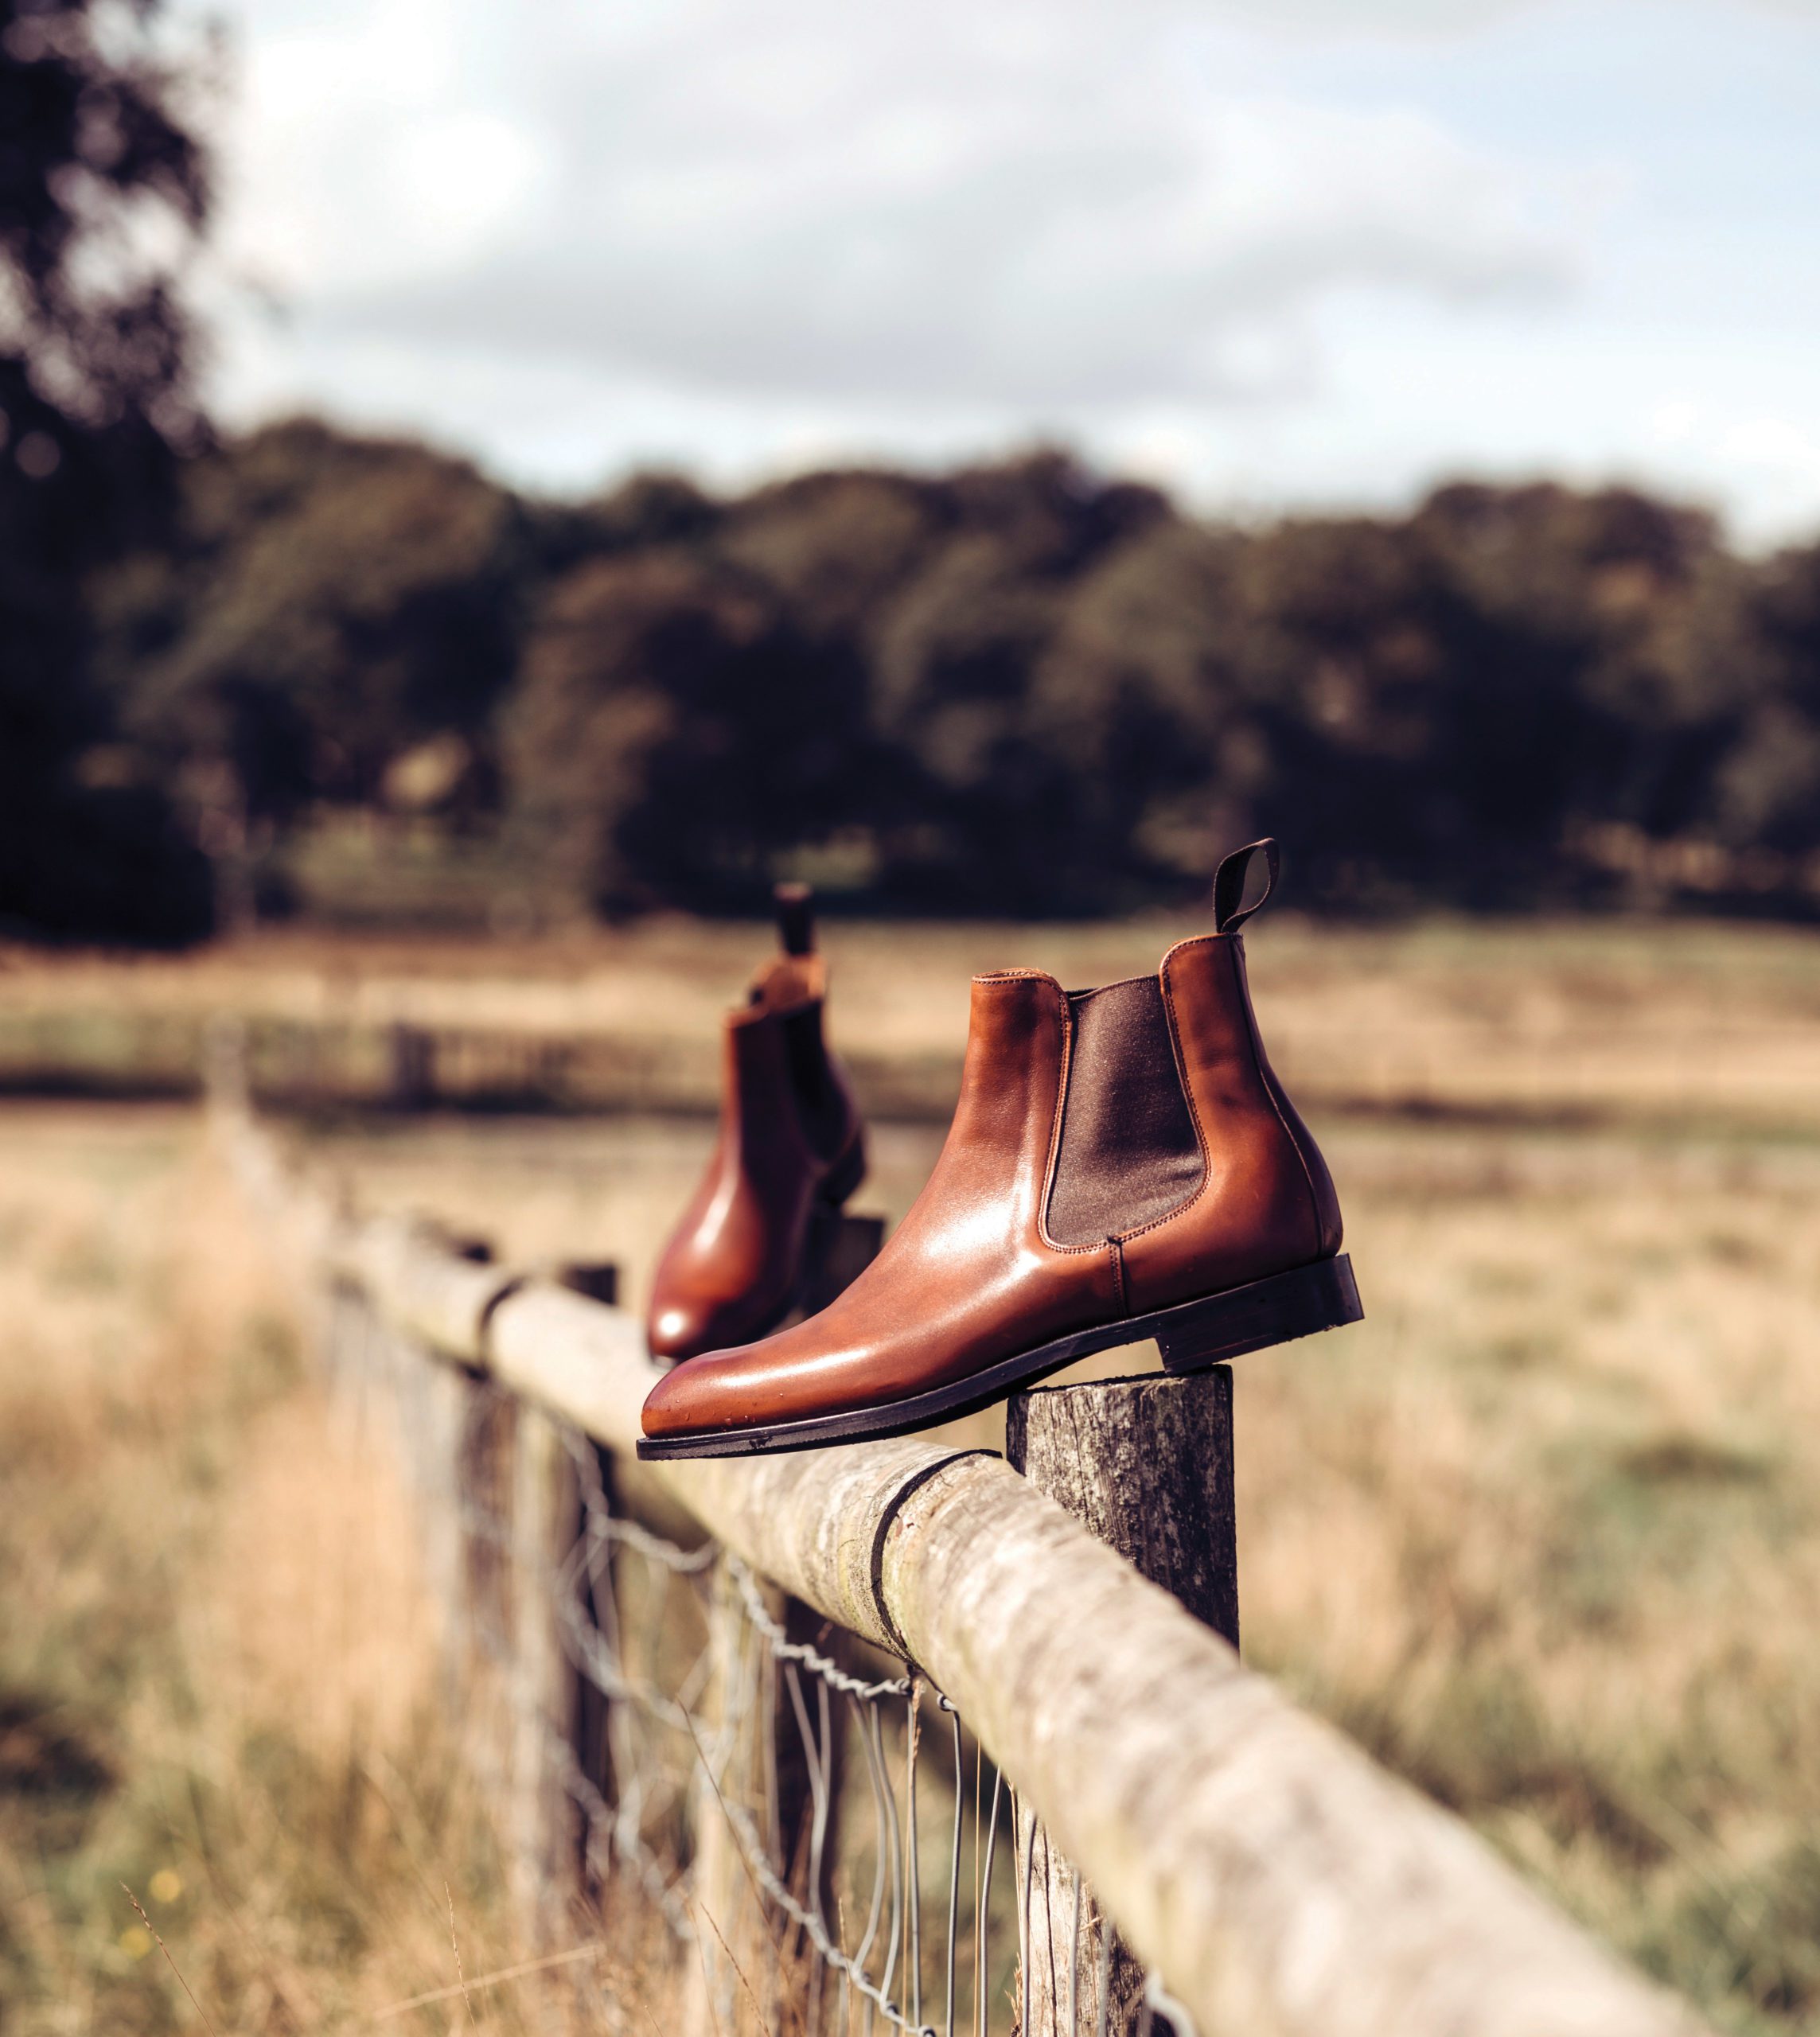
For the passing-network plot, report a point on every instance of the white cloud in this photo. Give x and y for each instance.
(935, 204)
(1314, 249)
(1002, 263)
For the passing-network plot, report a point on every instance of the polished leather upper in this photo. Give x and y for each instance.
(733, 1265)
(1266, 1201)
(973, 1275)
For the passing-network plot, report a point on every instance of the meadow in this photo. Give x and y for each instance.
(227, 1795)
(1543, 1532)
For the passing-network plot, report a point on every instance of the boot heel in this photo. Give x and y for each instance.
(1297, 1303)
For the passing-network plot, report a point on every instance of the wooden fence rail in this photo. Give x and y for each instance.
(1279, 1883)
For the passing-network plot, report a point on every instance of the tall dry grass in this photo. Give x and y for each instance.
(1544, 1532)
(1689, 1025)
(219, 1683)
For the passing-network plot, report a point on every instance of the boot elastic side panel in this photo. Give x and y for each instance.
(1127, 1154)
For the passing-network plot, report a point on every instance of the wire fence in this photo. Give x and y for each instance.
(671, 1744)
(784, 1816)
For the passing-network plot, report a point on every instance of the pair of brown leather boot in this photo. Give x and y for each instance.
(1123, 1165)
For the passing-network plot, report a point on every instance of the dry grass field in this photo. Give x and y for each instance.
(1544, 1532)
(1683, 1027)
(217, 1671)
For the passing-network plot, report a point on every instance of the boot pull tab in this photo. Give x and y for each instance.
(796, 918)
(1230, 883)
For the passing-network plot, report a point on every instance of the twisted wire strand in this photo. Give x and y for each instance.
(590, 1653)
(784, 1650)
(746, 1836)
(581, 1589)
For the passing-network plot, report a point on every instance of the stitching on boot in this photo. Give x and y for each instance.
(1242, 977)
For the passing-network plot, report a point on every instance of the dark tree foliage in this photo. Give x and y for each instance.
(320, 607)
(974, 687)
(1018, 687)
(1766, 790)
(1048, 693)
(1444, 702)
(1015, 688)
(96, 402)
(673, 733)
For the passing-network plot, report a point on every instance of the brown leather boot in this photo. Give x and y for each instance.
(1122, 1165)
(791, 1151)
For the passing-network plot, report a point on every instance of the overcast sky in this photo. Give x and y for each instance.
(1296, 252)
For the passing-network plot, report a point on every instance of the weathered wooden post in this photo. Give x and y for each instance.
(598, 1280)
(545, 1847)
(428, 1406)
(1147, 1465)
(413, 1070)
(482, 1500)
(728, 1776)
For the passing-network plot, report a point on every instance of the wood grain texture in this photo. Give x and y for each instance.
(1283, 1885)
(1146, 1466)
(722, 1904)
(1278, 1881)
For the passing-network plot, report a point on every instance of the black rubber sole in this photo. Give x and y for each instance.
(1191, 1337)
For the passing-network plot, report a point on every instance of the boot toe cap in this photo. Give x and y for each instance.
(693, 1397)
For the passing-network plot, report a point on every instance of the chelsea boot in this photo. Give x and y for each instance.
(1122, 1165)
(791, 1149)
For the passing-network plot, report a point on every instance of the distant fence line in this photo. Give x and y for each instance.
(1456, 1062)
(375, 1064)
(682, 1659)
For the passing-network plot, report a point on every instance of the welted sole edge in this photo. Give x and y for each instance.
(1192, 1336)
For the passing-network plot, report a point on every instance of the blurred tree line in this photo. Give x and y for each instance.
(1021, 687)
(1018, 688)
(103, 187)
